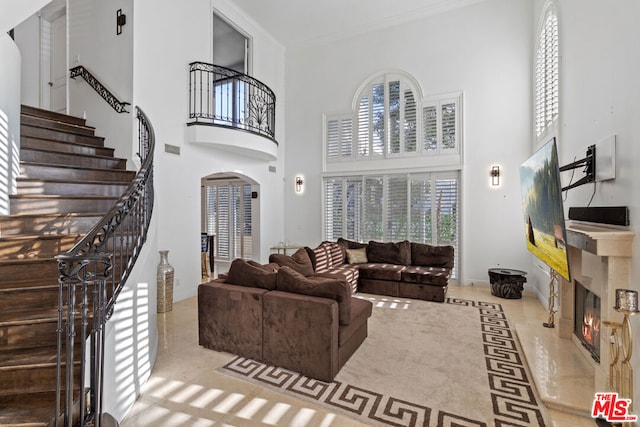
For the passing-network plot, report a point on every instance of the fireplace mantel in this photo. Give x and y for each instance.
(600, 259)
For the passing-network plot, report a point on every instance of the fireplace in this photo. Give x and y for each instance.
(587, 320)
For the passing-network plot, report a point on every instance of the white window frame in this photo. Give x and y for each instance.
(548, 21)
(420, 157)
(343, 218)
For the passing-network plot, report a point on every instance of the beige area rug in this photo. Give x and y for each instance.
(423, 364)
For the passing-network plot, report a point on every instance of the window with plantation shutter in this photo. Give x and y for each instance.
(228, 216)
(420, 207)
(339, 136)
(397, 208)
(392, 121)
(547, 73)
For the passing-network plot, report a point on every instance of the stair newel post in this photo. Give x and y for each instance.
(83, 340)
(71, 332)
(63, 284)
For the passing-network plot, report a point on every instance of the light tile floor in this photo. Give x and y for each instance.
(185, 390)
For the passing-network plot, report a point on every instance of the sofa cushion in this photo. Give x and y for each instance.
(357, 256)
(350, 244)
(360, 311)
(381, 271)
(299, 261)
(252, 274)
(431, 256)
(325, 256)
(348, 272)
(389, 253)
(289, 280)
(436, 276)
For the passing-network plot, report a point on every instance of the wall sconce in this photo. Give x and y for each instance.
(299, 183)
(495, 175)
(121, 19)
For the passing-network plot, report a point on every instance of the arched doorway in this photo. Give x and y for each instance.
(230, 219)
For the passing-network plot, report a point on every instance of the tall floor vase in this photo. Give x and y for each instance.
(165, 283)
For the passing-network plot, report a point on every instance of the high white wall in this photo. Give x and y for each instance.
(94, 44)
(484, 50)
(600, 96)
(9, 119)
(167, 38)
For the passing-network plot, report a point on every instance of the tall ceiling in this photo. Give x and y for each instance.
(297, 23)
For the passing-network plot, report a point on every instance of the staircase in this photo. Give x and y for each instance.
(68, 181)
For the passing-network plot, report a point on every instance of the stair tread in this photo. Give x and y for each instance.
(62, 196)
(82, 144)
(29, 215)
(62, 166)
(32, 409)
(36, 357)
(52, 129)
(72, 181)
(16, 318)
(41, 112)
(90, 156)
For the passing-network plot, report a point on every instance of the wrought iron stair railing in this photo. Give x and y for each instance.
(91, 276)
(105, 93)
(220, 96)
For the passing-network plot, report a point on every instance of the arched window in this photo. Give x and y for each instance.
(547, 64)
(391, 119)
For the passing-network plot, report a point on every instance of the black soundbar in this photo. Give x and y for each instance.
(613, 215)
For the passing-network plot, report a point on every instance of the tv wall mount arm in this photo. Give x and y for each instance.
(589, 164)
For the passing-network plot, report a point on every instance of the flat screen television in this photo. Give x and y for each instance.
(544, 225)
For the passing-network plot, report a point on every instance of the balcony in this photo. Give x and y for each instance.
(232, 111)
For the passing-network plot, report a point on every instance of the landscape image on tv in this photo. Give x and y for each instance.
(545, 231)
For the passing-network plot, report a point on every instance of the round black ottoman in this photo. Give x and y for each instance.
(506, 282)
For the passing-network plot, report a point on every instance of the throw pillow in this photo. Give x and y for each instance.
(350, 244)
(357, 256)
(288, 280)
(389, 253)
(426, 255)
(244, 273)
(299, 261)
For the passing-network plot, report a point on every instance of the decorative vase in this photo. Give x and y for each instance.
(165, 283)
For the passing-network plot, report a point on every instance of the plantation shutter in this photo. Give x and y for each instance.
(339, 137)
(430, 128)
(547, 74)
(410, 122)
(246, 229)
(394, 117)
(364, 127)
(224, 239)
(420, 209)
(334, 208)
(449, 126)
(373, 208)
(378, 120)
(396, 208)
(446, 210)
(353, 209)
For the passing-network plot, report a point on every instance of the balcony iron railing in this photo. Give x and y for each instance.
(220, 96)
(91, 276)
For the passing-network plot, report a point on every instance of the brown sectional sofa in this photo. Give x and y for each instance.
(402, 269)
(298, 312)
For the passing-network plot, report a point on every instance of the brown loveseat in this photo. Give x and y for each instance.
(281, 317)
